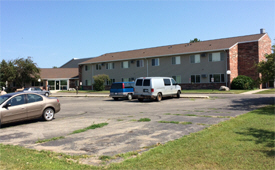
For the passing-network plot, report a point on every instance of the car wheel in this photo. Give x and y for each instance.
(159, 97)
(130, 96)
(178, 94)
(140, 100)
(48, 114)
(47, 94)
(115, 98)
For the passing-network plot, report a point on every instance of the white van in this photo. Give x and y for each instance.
(155, 88)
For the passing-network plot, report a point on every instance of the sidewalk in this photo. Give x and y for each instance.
(254, 91)
(107, 95)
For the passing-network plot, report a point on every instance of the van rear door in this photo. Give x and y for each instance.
(143, 87)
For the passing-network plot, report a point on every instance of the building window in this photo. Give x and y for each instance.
(125, 64)
(195, 78)
(213, 57)
(195, 58)
(63, 84)
(87, 68)
(98, 67)
(125, 79)
(218, 78)
(176, 60)
(177, 79)
(110, 66)
(140, 63)
(88, 82)
(155, 62)
(109, 82)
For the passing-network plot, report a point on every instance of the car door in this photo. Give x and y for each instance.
(167, 86)
(34, 105)
(16, 111)
(174, 87)
(38, 91)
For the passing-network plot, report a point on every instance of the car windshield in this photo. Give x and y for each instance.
(3, 99)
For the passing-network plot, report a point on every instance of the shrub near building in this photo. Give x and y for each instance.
(243, 83)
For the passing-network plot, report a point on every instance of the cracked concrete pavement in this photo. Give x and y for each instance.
(123, 132)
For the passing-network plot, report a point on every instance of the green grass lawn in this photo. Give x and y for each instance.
(210, 91)
(84, 91)
(270, 91)
(244, 142)
(200, 91)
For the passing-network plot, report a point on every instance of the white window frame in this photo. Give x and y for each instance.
(110, 66)
(124, 79)
(98, 67)
(140, 63)
(177, 79)
(195, 78)
(125, 64)
(110, 82)
(176, 60)
(195, 58)
(87, 67)
(156, 63)
(220, 74)
(216, 57)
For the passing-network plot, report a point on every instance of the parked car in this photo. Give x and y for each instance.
(156, 88)
(36, 90)
(122, 90)
(23, 106)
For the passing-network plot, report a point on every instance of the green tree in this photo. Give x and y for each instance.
(195, 40)
(99, 81)
(20, 71)
(27, 71)
(8, 72)
(267, 68)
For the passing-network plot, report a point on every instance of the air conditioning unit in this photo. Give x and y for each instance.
(204, 75)
(102, 64)
(203, 55)
(133, 61)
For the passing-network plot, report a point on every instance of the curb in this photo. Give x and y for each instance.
(182, 96)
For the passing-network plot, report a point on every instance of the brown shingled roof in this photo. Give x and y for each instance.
(203, 46)
(58, 73)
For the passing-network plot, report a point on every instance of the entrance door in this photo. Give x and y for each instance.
(57, 85)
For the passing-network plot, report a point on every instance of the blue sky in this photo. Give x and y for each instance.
(54, 32)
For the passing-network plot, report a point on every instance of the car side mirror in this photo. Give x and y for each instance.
(7, 105)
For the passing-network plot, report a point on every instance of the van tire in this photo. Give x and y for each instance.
(115, 98)
(140, 99)
(159, 97)
(130, 96)
(178, 94)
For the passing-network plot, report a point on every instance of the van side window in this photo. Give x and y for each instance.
(139, 82)
(167, 82)
(146, 82)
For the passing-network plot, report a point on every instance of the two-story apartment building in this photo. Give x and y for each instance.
(205, 64)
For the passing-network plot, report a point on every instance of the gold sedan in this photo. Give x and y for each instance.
(24, 106)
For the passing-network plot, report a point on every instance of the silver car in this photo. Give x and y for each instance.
(23, 106)
(37, 90)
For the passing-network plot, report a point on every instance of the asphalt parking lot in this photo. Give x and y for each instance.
(123, 132)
